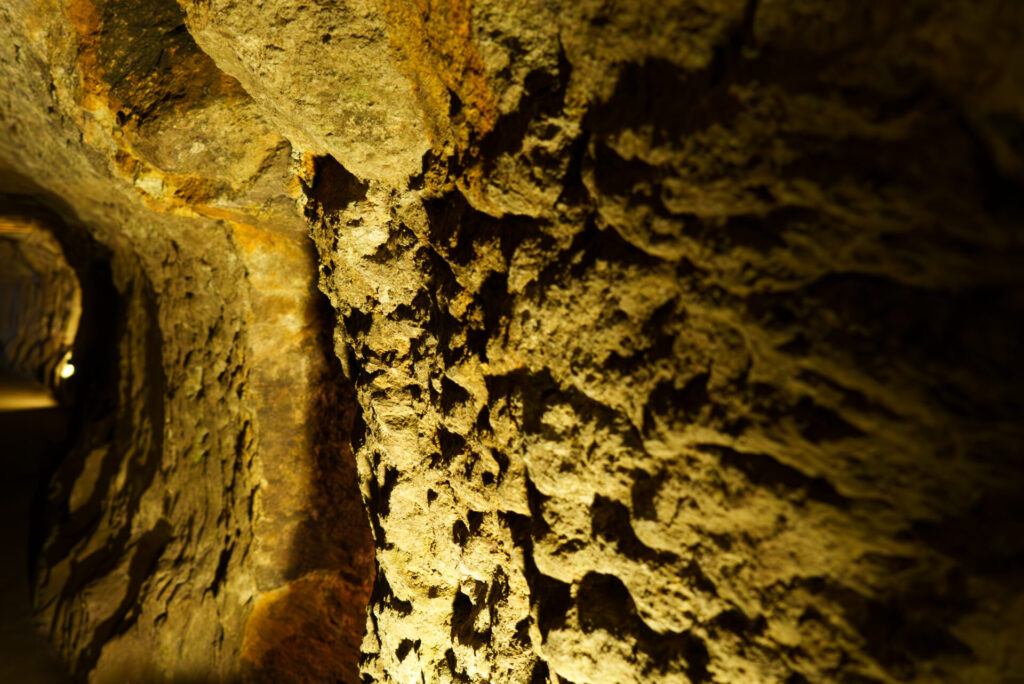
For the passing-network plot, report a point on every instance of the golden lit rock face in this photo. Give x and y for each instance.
(698, 379)
(672, 341)
(359, 108)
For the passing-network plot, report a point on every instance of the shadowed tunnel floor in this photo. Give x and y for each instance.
(28, 437)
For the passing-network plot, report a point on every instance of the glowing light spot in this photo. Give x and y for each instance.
(67, 369)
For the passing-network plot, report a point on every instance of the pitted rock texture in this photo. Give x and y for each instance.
(698, 364)
(678, 341)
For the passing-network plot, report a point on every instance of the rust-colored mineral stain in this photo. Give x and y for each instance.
(189, 80)
(85, 19)
(434, 40)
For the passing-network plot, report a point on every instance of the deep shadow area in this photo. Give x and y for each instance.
(35, 443)
(30, 442)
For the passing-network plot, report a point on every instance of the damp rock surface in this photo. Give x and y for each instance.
(663, 341)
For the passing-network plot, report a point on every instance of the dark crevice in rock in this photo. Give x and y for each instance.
(735, 621)
(540, 673)
(403, 649)
(452, 395)
(765, 471)
(464, 615)
(604, 603)
(334, 187)
(610, 520)
(687, 402)
(459, 533)
(451, 444)
(645, 489)
(220, 574)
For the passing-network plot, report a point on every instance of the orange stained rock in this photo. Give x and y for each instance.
(310, 630)
(434, 42)
(189, 81)
(85, 20)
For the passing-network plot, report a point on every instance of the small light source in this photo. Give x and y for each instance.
(66, 369)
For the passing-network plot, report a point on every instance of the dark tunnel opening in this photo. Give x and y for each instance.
(40, 304)
(49, 401)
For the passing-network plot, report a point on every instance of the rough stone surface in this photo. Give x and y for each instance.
(696, 360)
(40, 302)
(322, 72)
(680, 340)
(208, 410)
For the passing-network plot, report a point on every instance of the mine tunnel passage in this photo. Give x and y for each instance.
(207, 417)
(71, 428)
(40, 309)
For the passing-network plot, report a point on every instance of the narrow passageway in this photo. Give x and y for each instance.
(32, 431)
(40, 307)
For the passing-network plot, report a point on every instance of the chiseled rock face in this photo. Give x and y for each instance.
(697, 361)
(680, 339)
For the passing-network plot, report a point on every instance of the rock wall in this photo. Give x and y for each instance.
(40, 302)
(210, 423)
(683, 336)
